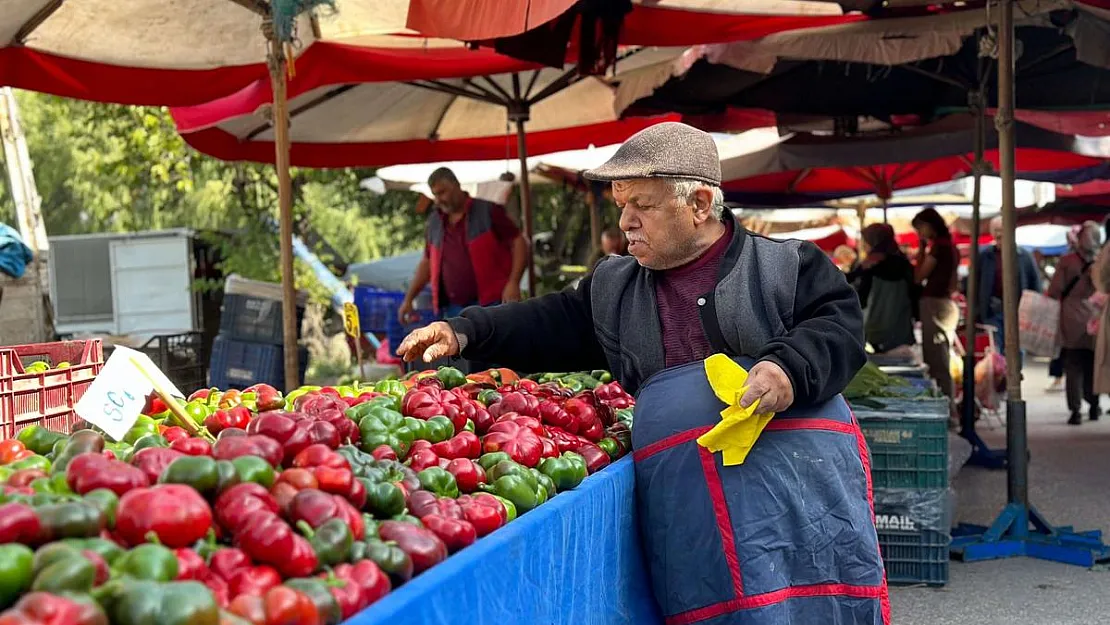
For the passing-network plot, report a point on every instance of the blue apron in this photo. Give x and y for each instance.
(787, 538)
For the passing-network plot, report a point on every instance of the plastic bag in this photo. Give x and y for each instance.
(913, 510)
(1039, 323)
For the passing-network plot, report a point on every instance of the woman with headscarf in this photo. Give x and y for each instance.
(884, 281)
(1073, 286)
(935, 270)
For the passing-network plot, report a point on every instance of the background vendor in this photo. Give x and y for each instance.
(474, 255)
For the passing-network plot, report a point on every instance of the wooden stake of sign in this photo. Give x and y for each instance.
(177, 412)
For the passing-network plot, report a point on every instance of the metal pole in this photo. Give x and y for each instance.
(525, 194)
(593, 194)
(285, 214)
(1016, 444)
(968, 415)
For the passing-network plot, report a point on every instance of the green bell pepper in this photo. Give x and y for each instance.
(383, 426)
(566, 471)
(451, 377)
(490, 460)
(16, 566)
(418, 427)
(386, 402)
(488, 397)
(58, 567)
(149, 562)
(507, 467)
(74, 519)
(439, 429)
(544, 481)
(469, 427)
(39, 439)
(391, 559)
(106, 502)
(39, 463)
(144, 426)
(439, 481)
(79, 442)
(383, 499)
(200, 472)
(254, 469)
(602, 376)
(510, 508)
(140, 602)
(524, 490)
(408, 518)
(106, 549)
(610, 446)
(228, 476)
(198, 411)
(331, 542)
(317, 590)
(396, 388)
(624, 415)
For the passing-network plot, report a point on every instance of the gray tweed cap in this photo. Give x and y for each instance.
(666, 150)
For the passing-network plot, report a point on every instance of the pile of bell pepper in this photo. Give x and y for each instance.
(304, 508)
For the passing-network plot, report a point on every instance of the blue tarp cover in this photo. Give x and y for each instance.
(576, 559)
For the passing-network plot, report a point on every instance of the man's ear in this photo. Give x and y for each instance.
(703, 205)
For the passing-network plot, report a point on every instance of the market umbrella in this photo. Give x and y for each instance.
(383, 123)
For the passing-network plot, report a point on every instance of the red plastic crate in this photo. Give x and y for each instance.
(46, 398)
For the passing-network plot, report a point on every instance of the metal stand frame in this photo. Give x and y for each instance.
(1019, 529)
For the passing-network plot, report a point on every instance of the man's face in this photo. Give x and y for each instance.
(996, 230)
(448, 195)
(661, 229)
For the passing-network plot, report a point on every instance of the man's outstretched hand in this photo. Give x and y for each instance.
(768, 383)
(429, 343)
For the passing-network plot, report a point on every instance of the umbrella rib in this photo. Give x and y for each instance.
(470, 83)
(36, 20)
(1047, 56)
(504, 94)
(562, 82)
(442, 87)
(314, 102)
(532, 82)
(926, 73)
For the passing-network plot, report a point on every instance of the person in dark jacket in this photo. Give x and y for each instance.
(988, 301)
(785, 533)
(884, 282)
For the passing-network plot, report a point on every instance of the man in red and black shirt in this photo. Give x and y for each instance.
(474, 255)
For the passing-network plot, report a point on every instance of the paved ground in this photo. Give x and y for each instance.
(1070, 484)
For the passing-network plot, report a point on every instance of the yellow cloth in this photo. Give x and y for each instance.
(739, 427)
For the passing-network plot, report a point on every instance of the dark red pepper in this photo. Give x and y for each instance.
(384, 452)
(468, 474)
(462, 445)
(252, 580)
(152, 461)
(19, 524)
(423, 546)
(456, 534)
(90, 471)
(550, 449)
(514, 401)
(219, 587)
(239, 501)
(596, 458)
(372, 583)
(265, 538)
(477, 413)
(227, 561)
(42, 608)
(318, 403)
(266, 397)
(422, 459)
(174, 433)
(175, 513)
(192, 446)
(553, 414)
(231, 447)
(564, 440)
(320, 455)
(357, 495)
(422, 403)
(316, 507)
(346, 593)
(483, 511)
(276, 425)
(422, 503)
(235, 417)
(190, 566)
(532, 423)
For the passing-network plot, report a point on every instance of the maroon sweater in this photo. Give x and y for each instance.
(677, 292)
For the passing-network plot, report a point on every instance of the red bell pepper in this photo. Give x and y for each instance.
(476, 412)
(347, 428)
(521, 443)
(252, 580)
(231, 447)
(174, 433)
(192, 446)
(422, 503)
(468, 474)
(462, 445)
(42, 608)
(384, 452)
(595, 457)
(90, 471)
(422, 403)
(422, 459)
(553, 414)
(24, 477)
(236, 503)
(514, 401)
(226, 561)
(99, 564)
(280, 605)
(289, 483)
(152, 461)
(334, 481)
(564, 440)
(316, 404)
(550, 448)
(483, 511)
(357, 495)
(176, 514)
(532, 423)
(267, 539)
(266, 397)
(423, 546)
(219, 588)
(316, 507)
(372, 583)
(585, 414)
(220, 420)
(346, 594)
(190, 566)
(19, 524)
(455, 533)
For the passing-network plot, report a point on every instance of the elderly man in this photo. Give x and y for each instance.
(989, 298)
(473, 253)
(782, 533)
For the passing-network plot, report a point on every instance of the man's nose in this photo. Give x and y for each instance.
(628, 221)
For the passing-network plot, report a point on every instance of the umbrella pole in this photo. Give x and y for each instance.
(525, 195)
(285, 215)
(1019, 530)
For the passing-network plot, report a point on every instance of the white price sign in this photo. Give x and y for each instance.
(117, 396)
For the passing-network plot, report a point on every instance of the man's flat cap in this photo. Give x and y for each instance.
(666, 150)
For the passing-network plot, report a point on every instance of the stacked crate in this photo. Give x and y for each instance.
(908, 444)
(250, 346)
(377, 313)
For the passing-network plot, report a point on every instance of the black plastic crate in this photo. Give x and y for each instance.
(908, 441)
(239, 364)
(255, 319)
(914, 535)
(182, 357)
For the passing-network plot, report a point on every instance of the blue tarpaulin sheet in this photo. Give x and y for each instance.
(576, 559)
